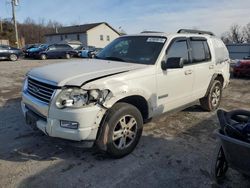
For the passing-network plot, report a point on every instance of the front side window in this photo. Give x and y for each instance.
(179, 49)
(134, 49)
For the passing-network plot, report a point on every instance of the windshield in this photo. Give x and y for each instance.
(134, 49)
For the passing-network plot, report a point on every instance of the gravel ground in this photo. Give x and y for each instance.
(175, 150)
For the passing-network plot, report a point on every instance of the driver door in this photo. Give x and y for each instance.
(175, 85)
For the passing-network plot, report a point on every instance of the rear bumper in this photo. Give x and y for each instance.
(50, 119)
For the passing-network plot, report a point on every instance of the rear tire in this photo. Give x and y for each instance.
(212, 100)
(13, 57)
(121, 130)
(67, 56)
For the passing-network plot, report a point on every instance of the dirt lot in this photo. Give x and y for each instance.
(174, 151)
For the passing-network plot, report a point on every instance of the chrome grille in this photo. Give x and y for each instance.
(41, 91)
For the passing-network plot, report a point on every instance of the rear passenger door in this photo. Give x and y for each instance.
(51, 51)
(202, 65)
(60, 50)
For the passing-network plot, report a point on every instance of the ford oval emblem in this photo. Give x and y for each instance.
(35, 89)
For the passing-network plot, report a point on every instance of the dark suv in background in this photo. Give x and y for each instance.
(34, 51)
(57, 51)
(11, 53)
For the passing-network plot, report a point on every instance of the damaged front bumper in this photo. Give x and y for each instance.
(48, 119)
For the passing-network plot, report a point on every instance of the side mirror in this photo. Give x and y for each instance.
(172, 63)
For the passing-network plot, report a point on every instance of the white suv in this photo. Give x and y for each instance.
(107, 99)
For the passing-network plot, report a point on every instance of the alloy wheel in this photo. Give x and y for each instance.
(124, 132)
(13, 57)
(215, 96)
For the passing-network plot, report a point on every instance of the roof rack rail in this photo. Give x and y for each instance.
(151, 32)
(195, 31)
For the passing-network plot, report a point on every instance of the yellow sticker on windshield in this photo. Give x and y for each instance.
(154, 39)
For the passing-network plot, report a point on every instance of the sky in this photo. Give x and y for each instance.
(134, 16)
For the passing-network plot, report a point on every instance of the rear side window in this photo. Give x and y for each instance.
(200, 51)
(4, 47)
(63, 47)
(179, 49)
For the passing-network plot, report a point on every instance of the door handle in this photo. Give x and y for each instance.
(211, 67)
(188, 72)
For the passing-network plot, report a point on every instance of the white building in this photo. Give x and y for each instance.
(95, 34)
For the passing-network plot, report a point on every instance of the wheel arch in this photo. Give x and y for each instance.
(139, 102)
(218, 77)
(136, 100)
(17, 56)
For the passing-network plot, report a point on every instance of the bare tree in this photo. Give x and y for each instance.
(225, 37)
(30, 31)
(246, 33)
(234, 35)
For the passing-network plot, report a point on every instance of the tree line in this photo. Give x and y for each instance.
(29, 31)
(237, 34)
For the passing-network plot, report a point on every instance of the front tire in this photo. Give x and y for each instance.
(13, 57)
(212, 100)
(43, 57)
(121, 130)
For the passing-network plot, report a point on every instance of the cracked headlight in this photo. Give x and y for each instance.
(77, 97)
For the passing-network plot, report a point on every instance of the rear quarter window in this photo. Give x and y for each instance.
(220, 51)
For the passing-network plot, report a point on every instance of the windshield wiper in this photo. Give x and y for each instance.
(114, 58)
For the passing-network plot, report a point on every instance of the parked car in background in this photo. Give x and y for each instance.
(247, 57)
(35, 50)
(96, 52)
(242, 68)
(78, 50)
(11, 53)
(89, 52)
(29, 46)
(56, 51)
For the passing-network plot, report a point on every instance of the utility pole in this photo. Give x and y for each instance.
(13, 4)
(1, 25)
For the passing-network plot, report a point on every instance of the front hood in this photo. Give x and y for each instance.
(79, 72)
